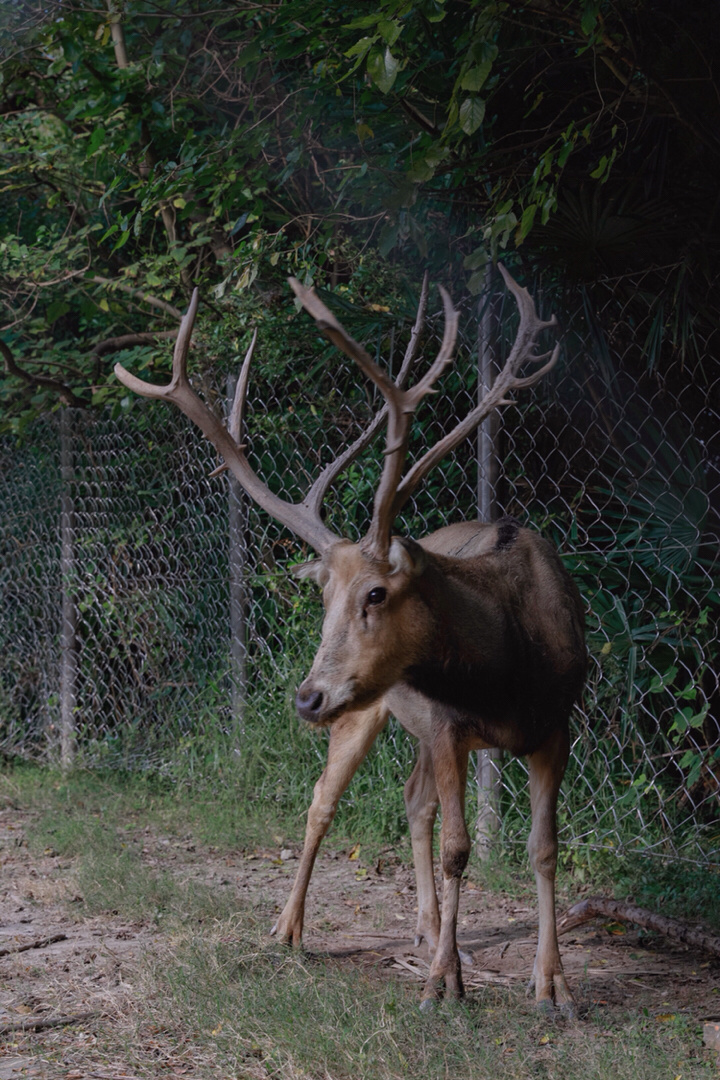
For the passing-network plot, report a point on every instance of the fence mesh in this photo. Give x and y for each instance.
(147, 615)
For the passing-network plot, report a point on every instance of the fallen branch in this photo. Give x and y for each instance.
(40, 944)
(603, 907)
(42, 1023)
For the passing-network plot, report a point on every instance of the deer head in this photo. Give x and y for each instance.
(374, 618)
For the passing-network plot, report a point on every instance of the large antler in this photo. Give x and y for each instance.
(302, 519)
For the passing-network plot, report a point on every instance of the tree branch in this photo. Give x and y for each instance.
(65, 393)
(146, 298)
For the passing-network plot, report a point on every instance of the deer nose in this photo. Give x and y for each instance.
(309, 702)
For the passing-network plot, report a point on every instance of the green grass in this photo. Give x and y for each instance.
(296, 1017)
(249, 1010)
(71, 812)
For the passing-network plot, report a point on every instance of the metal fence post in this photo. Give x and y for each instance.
(238, 560)
(69, 630)
(487, 768)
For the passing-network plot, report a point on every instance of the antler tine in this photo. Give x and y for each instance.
(444, 356)
(530, 380)
(339, 336)
(182, 343)
(414, 342)
(179, 368)
(237, 413)
(507, 380)
(296, 516)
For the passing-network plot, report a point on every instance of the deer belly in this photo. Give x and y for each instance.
(419, 715)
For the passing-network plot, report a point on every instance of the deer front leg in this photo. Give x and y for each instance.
(421, 803)
(350, 740)
(450, 763)
(547, 767)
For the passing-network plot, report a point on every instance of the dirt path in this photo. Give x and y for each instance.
(358, 912)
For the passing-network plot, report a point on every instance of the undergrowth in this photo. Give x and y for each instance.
(72, 812)
(250, 1010)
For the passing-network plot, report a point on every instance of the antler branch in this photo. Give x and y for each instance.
(400, 404)
(296, 516)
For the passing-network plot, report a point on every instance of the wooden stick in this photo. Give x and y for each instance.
(603, 907)
(40, 944)
(42, 1023)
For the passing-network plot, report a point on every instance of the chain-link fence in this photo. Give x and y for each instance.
(148, 619)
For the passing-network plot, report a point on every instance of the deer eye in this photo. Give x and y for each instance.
(376, 596)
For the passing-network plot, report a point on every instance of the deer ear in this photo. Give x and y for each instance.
(406, 555)
(314, 569)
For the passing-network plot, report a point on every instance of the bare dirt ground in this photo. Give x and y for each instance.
(359, 913)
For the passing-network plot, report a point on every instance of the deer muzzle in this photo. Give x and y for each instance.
(309, 702)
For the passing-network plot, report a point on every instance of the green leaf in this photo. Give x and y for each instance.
(388, 239)
(382, 68)
(526, 222)
(55, 310)
(662, 681)
(250, 53)
(476, 284)
(588, 19)
(361, 46)
(389, 30)
(474, 79)
(477, 259)
(96, 140)
(363, 22)
(472, 113)
(123, 240)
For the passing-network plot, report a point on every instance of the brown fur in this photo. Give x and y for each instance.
(477, 640)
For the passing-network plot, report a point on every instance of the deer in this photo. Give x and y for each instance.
(472, 637)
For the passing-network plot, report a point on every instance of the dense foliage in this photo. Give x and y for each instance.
(148, 146)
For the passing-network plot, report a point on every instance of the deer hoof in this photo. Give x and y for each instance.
(545, 1007)
(428, 1005)
(568, 1010)
(286, 935)
(466, 958)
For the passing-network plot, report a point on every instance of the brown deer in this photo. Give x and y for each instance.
(472, 637)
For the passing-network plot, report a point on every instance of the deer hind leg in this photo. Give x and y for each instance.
(450, 763)
(350, 740)
(547, 767)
